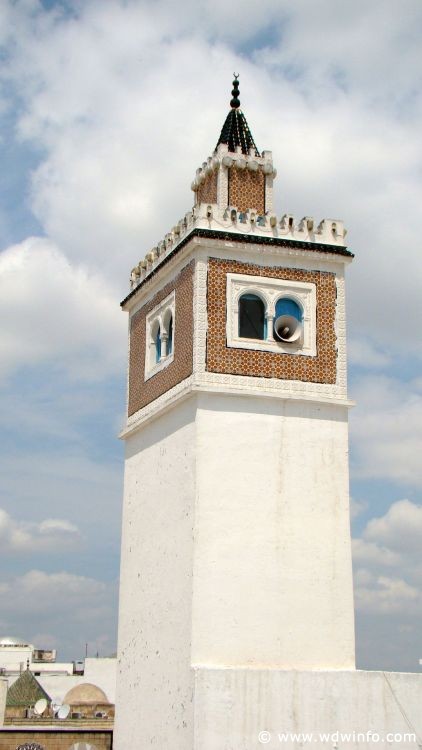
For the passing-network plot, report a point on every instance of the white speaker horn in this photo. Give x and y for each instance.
(287, 328)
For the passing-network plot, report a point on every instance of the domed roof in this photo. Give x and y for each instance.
(8, 640)
(85, 693)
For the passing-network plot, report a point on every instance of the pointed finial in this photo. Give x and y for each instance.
(235, 102)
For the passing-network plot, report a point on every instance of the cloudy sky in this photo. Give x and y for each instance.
(106, 110)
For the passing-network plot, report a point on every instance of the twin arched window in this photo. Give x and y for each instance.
(253, 318)
(160, 336)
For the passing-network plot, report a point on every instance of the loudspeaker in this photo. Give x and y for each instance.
(287, 328)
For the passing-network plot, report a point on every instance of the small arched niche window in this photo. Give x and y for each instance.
(167, 334)
(287, 306)
(158, 345)
(155, 343)
(252, 323)
(170, 336)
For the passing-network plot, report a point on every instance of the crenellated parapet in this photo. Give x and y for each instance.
(236, 178)
(247, 223)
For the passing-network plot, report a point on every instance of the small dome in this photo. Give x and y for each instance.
(85, 693)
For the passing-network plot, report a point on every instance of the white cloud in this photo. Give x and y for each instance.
(68, 483)
(51, 525)
(363, 353)
(389, 596)
(28, 537)
(57, 314)
(67, 609)
(388, 588)
(116, 119)
(357, 507)
(386, 429)
(369, 552)
(393, 539)
(400, 527)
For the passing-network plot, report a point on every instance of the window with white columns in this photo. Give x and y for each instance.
(159, 349)
(269, 314)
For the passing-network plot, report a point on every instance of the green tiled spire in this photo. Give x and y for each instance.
(235, 131)
(26, 691)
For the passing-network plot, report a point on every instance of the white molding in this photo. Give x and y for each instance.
(233, 385)
(200, 315)
(157, 407)
(270, 290)
(158, 315)
(284, 388)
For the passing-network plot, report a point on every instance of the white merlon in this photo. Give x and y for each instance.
(211, 217)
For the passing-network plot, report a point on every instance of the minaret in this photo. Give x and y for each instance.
(236, 542)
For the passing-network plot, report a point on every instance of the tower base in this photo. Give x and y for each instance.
(240, 709)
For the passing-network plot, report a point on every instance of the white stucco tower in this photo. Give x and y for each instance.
(236, 562)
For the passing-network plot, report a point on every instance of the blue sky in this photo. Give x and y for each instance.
(106, 110)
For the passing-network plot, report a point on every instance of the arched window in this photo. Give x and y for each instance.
(287, 306)
(252, 321)
(288, 321)
(170, 336)
(158, 345)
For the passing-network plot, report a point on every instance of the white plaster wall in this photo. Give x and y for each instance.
(3, 694)
(155, 681)
(52, 667)
(232, 707)
(15, 657)
(272, 565)
(102, 672)
(57, 685)
(235, 552)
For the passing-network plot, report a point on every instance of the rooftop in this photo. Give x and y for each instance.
(26, 691)
(8, 640)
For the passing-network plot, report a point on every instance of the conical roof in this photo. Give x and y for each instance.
(235, 131)
(26, 691)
